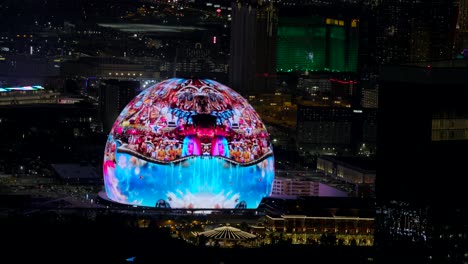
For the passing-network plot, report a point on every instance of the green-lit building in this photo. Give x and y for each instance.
(317, 44)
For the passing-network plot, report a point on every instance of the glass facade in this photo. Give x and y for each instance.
(317, 44)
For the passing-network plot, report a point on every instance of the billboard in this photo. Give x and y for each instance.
(189, 143)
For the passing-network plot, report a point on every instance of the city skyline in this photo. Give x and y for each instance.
(363, 102)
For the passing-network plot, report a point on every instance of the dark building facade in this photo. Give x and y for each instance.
(114, 95)
(253, 48)
(422, 142)
(461, 30)
(412, 102)
(414, 31)
(336, 130)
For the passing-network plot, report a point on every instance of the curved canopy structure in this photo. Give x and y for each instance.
(227, 233)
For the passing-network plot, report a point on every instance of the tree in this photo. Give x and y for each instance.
(328, 239)
(202, 239)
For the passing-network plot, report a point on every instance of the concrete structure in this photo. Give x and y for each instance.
(114, 95)
(106, 68)
(412, 31)
(77, 173)
(323, 129)
(321, 220)
(253, 48)
(302, 186)
(370, 98)
(461, 30)
(350, 169)
(428, 121)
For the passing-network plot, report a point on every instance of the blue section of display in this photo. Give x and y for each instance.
(197, 182)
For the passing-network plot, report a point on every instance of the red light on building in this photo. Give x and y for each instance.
(214, 39)
(343, 82)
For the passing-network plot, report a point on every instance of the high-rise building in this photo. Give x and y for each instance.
(314, 43)
(114, 95)
(355, 170)
(253, 48)
(420, 190)
(326, 129)
(440, 15)
(370, 98)
(393, 31)
(461, 29)
(414, 31)
(422, 113)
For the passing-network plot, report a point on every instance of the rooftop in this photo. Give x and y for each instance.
(319, 206)
(359, 163)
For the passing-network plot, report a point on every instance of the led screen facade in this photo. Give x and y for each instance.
(189, 143)
(317, 44)
(301, 48)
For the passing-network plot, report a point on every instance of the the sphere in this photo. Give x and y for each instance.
(189, 143)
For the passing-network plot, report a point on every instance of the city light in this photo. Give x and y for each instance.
(22, 88)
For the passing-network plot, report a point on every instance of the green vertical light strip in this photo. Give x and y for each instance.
(337, 48)
(316, 49)
(353, 50)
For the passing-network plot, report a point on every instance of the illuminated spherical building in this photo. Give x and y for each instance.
(189, 143)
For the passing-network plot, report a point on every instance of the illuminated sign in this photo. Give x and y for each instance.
(189, 143)
(23, 88)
